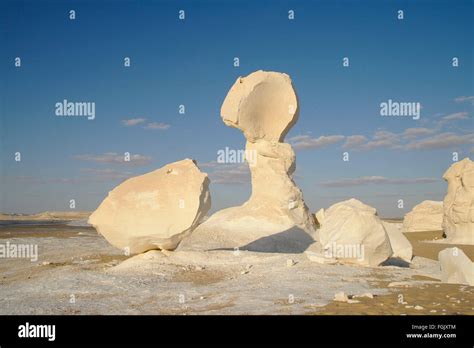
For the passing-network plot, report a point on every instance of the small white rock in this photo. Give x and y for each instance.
(399, 284)
(341, 297)
(367, 294)
(353, 301)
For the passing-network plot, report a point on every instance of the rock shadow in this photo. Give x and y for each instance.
(291, 241)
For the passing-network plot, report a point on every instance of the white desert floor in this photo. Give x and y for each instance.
(78, 272)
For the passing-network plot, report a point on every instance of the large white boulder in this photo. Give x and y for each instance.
(426, 216)
(458, 218)
(353, 233)
(155, 210)
(456, 267)
(264, 107)
(401, 246)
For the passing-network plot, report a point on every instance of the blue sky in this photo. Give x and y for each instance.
(190, 62)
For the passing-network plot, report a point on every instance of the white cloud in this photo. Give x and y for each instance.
(107, 173)
(354, 141)
(464, 99)
(304, 142)
(211, 164)
(94, 175)
(230, 174)
(132, 122)
(411, 133)
(441, 141)
(456, 116)
(382, 139)
(157, 125)
(376, 180)
(115, 158)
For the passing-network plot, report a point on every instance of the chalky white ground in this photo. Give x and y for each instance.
(103, 281)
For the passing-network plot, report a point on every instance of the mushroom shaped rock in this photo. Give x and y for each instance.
(426, 216)
(353, 233)
(458, 218)
(155, 210)
(264, 107)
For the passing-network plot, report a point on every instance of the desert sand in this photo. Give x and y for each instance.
(79, 272)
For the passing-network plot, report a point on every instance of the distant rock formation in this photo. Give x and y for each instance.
(458, 218)
(426, 216)
(155, 210)
(351, 232)
(456, 267)
(47, 216)
(264, 106)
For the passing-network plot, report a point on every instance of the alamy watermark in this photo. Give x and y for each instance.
(404, 109)
(20, 251)
(67, 108)
(227, 155)
(344, 251)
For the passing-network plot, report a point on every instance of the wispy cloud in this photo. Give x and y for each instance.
(376, 180)
(456, 116)
(382, 139)
(441, 141)
(464, 99)
(211, 164)
(132, 122)
(304, 142)
(107, 173)
(92, 175)
(417, 132)
(229, 174)
(115, 158)
(157, 126)
(354, 141)
(38, 180)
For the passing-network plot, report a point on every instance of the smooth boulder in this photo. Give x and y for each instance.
(426, 216)
(456, 267)
(353, 233)
(155, 210)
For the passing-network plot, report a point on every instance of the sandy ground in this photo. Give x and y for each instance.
(78, 272)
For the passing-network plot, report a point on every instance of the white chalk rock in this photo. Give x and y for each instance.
(155, 210)
(426, 216)
(401, 246)
(353, 233)
(458, 218)
(341, 297)
(319, 257)
(263, 106)
(456, 267)
(319, 217)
